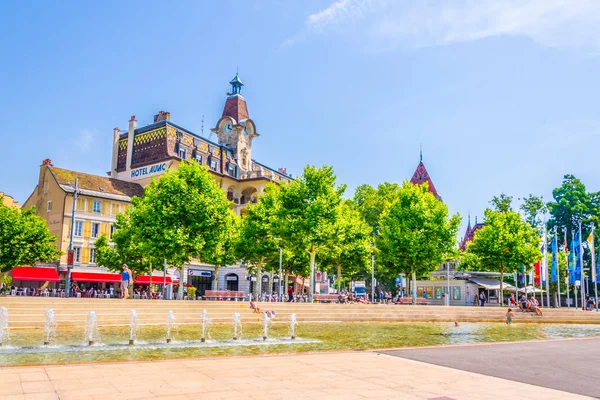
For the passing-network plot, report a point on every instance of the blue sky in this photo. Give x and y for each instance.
(503, 95)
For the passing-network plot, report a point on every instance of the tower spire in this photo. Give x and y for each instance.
(420, 152)
(236, 84)
(469, 220)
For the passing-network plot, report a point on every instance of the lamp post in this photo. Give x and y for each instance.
(70, 259)
(447, 283)
(280, 265)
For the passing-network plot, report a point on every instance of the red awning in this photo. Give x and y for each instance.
(156, 280)
(95, 277)
(35, 274)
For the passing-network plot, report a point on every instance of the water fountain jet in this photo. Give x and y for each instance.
(266, 320)
(133, 326)
(170, 325)
(4, 331)
(237, 326)
(91, 329)
(205, 322)
(293, 324)
(50, 326)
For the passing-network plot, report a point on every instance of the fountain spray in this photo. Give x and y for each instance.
(133, 326)
(170, 325)
(91, 329)
(266, 320)
(4, 331)
(293, 324)
(237, 326)
(50, 326)
(205, 322)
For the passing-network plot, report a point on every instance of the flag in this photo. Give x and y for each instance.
(537, 273)
(576, 266)
(590, 242)
(571, 263)
(554, 259)
(544, 264)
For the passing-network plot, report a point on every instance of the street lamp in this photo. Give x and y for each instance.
(70, 258)
(280, 266)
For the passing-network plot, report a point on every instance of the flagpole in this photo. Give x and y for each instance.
(581, 262)
(557, 266)
(566, 268)
(593, 271)
(546, 263)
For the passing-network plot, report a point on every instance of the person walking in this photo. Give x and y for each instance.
(482, 299)
(290, 294)
(125, 279)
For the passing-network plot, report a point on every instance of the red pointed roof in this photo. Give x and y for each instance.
(470, 233)
(235, 107)
(421, 176)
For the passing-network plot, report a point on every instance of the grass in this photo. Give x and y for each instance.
(331, 337)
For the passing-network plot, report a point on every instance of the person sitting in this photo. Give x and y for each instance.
(535, 306)
(254, 307)
(523, 303)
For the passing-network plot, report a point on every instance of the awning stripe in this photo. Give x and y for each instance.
(95, 277)
(35, 274)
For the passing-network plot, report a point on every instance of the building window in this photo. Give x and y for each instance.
(112, 230)
(80, 204)
(231, 170)
(95, 229)
(97, 207)
(182, 153)
(92, 256)
(49, 205)
(214, 165)
(77, 254)
(199, 158)
(114, 208)
(78, 228)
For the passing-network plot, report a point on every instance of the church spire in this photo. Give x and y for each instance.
(236, 84)
(420, 152)
(469, 221)
(421, 176)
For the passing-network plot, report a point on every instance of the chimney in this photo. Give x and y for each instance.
(115, 151)
(282, 171)
(130, 134)
(162, 116)
(47, 161)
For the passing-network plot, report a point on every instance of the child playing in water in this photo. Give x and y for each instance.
(509, 316)
(253, 307)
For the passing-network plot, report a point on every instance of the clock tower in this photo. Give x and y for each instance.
(235, 129)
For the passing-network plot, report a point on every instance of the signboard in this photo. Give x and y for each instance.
(193, 272)
(144, 172)
(231, 278)
(70, 257)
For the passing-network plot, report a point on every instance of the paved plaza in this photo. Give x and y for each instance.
(342, 375)
(570, 364)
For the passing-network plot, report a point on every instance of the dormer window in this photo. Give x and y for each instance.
(182, 153)
(198, 158)
(214, 165)
(231, 170)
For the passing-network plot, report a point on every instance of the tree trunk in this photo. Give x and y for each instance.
(313, 254)
(339, 271)
(150, 278)
(414, 288)
(216, 277)
(180, 289)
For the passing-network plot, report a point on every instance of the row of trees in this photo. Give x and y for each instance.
(185, 215)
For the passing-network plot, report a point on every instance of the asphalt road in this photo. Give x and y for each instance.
(568, 365)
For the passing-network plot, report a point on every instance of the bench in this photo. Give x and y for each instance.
(326, 298)
(409, 300)
(223, 295)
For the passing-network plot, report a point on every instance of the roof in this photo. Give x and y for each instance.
(236, 108)
(491, 284)
(94, 185)
(470, 234)
(35, 274)
(421, 176)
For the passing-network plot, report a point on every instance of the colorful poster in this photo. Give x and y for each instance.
(430, 292)
(438, 292)
(420, 292)
(456, 292)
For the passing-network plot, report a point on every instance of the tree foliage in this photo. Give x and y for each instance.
(185, 215)
(24, 238)
(505, 242)
(417, 232)
(533, 207)
(371, 202)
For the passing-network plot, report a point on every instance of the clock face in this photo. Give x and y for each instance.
(228, 128)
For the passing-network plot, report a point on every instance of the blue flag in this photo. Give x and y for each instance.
(571, 263)
(554, 259)
(576, 250)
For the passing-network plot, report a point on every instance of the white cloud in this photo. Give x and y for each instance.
(390, 24)
(85, 140)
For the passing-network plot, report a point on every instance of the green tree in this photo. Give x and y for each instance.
(533, 207)
(257, 242)
(185, 215)
(502, 203)
(308, 212)
(351, 250)
(417, 233)
(24, 239)
(505, 242)
(371, 202)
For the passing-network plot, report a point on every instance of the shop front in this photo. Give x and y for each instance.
(32, 281)
(201, 279)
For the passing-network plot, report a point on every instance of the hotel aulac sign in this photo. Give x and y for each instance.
(144, 172)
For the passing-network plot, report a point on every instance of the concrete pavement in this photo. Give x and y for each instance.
(569, 364)
(343, 375)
